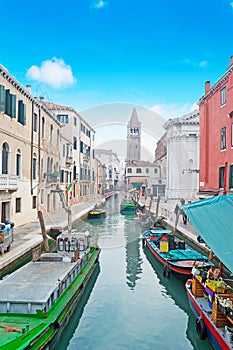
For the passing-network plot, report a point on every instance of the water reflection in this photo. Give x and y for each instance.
(176, 290)
(132, 247)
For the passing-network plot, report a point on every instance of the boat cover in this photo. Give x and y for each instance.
(213, 220)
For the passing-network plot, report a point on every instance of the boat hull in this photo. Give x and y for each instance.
(214, 334)
(180, 268)
(44, 330)
(97, 214)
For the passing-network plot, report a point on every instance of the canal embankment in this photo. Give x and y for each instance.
(29, 237)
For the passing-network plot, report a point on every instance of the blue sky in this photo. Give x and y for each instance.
(151, 53)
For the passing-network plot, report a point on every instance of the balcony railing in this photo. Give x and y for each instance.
(69, 160)
(8, 182)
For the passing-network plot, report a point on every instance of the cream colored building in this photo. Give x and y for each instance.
(19, 152)
(30, 154)
(79, 157)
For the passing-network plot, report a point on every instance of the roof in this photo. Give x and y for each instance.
(134, 118)
(212, 218)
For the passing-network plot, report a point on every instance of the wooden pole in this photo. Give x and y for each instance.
(43, 231)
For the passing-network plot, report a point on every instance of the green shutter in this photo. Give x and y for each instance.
(13, 106)
(21, 112)
(8, 102)
(2, 98)
(24, 113)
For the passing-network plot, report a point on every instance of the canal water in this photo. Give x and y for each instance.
(130, 304)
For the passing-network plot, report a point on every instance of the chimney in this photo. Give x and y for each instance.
(207, 86)
(231, 62)
(28, 87)
(41, 98)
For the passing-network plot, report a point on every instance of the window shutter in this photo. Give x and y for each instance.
(2, 98)
(13, 106)
(8, 102)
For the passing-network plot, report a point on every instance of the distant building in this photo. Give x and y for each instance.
(112, 165)
(78, 169)
(133, 138)
(182, 156)
(216, 135)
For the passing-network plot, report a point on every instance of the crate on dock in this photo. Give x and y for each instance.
(197, 288)
(217, 316)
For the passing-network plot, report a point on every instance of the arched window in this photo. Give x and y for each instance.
(43, 128)
(34, 166)
(58, 137)
(18, 163)
(51, 134)
(5, 158)
(42, 168)
(48, 165)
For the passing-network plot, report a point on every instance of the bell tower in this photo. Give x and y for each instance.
(133, 138)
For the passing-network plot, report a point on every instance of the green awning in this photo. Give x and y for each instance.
(136, 184)
(212, 218)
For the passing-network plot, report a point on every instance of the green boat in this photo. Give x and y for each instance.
(37, 300)
(127, 207)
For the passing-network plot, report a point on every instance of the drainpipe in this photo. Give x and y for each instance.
(31, 165)
(39, 157)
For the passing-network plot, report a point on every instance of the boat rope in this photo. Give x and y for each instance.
(11, 329)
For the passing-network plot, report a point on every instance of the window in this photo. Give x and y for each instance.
(33, 202)
(231, 176)
(58, 138)
(18, 205)
(155, 170)
(5, 158)
(10, 104)
(129, 170)
(42, 168)
(75, 142)
(35, 122)
(75, 121)
(64, 150)
(232, 135)
(42, 196)
(63, 118)
(221, 176)
(223, 138)
(62, 176)
(147, 170)
(138, 171)
(51, 134)
(81, 146)
(2, 98)
(21, 112)
(34, 168)
(18, 163)
(223, 96)
(43, 128)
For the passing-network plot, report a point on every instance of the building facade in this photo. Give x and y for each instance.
(182, 156)
(216, 135)
(24, 130)
(77, 153)
(111, 166)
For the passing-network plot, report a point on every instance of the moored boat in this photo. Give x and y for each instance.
(37, 299)
(127, 207)
(211, 303)
(176, 256)
(96, 214)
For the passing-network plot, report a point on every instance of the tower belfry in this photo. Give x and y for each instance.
(134, 138)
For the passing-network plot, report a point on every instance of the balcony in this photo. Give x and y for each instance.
(52, 178)
(8, 182)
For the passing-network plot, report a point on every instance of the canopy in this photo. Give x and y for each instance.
(213, 220)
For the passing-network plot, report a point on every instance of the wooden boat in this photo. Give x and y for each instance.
(37, 300)
(176, 256)
(96, 214)
(211, 303)
(127, 207)
(144, 219)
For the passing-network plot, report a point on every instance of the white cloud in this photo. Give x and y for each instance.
(173, 110)
(54, 73)
(231, 4)
(100, 4)
(194, 63)
(203, 64)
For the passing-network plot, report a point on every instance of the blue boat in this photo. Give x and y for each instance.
(177, 257)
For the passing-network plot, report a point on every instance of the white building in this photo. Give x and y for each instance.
(109, 159)
(183, 156)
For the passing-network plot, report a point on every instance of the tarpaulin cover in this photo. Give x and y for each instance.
(213, 220)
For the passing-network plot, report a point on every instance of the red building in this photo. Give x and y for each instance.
(216, 135)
